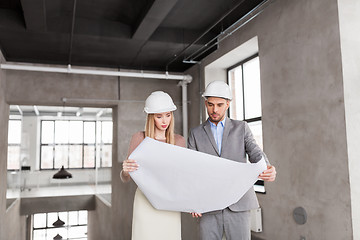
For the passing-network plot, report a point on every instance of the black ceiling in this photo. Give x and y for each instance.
(134, 34)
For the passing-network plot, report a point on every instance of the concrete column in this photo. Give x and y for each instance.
(4, 116)
(349, 19)
(129, 118)
(8, 217)
(122, 194)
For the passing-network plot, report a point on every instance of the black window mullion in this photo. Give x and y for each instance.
(243, 89)
(83, 146)
(96, 147)
(54, 144)
(68, 158)
(253, 119)
(101, 143)
(40, 143)
(46, 232)
(242, 76)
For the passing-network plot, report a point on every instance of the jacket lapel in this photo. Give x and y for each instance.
(228, 126)
(207, 129)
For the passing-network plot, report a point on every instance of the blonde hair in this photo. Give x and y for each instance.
(150, 128)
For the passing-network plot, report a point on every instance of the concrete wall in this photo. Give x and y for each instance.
(350, 53)
(15, 224)
(26, 88)
(189, 225)
(303, 117)
(99, 220)
(33, 205)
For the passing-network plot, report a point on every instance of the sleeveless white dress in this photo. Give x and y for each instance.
(152, 224)
(149, 223)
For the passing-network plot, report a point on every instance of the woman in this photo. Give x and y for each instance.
(149, 223)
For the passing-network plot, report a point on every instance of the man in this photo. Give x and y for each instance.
(230, 139)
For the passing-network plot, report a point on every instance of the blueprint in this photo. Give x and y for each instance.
(179, 179)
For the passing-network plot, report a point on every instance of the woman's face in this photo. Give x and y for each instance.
(162, 120)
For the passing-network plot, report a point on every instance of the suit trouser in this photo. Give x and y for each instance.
(235, 225)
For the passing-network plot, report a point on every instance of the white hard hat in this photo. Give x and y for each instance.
(218, 89)
(159, 102)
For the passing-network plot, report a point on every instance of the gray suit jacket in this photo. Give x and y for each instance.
(236, 143)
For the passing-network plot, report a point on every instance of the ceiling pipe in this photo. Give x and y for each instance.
(184, 80)
(72, 32)
(71, 70)
(203, 34)
(183, 85)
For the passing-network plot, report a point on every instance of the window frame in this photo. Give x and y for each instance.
(97, 146)
(241, 63)
(259, 185)
(66, 226)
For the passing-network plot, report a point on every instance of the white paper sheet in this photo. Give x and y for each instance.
(179, 179)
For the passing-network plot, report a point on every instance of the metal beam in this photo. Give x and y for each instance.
(19, 109)
(36, 110)
(153, 18)
(34, 14)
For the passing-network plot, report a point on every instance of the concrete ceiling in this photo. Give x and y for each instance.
(131, 34)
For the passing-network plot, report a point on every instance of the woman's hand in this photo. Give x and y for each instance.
(129, 165)
(193, 214)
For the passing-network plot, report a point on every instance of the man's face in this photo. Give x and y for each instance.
(216, 108)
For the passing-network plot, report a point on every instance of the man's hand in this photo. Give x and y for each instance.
(269, 174)
(193, 214)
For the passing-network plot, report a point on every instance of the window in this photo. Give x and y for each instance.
(244, 80)
(75, 226)
(72, 144)
(14, 143)
(105, 143)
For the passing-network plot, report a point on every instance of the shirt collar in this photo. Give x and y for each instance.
(221, 122)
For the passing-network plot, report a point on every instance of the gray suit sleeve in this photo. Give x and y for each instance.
(252, 148)
(191, 141)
